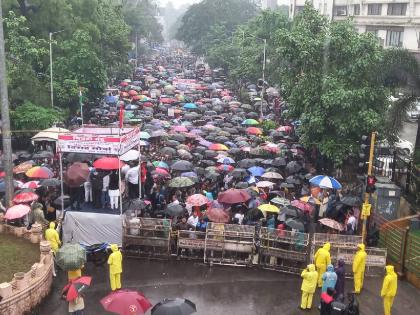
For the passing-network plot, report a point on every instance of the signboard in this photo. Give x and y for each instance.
(188, 83)
(99, 144)
(191, 243)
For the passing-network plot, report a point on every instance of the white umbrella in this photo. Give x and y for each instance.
(130, 156)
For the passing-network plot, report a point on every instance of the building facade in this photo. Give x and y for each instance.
(396, 23)
(269, 4)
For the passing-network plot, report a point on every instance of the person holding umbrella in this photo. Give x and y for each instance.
(115, 267)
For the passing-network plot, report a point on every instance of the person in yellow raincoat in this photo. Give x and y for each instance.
(115, 267)
(322, 259)
(359, 263)
(310, 277)
(389, 289)
(51, 235)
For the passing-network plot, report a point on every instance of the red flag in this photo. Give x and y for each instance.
(121, 114)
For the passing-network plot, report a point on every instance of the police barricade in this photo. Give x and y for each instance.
(229, 244)
(191, 244)
(146, 237)
(285, 251)
(375, 260)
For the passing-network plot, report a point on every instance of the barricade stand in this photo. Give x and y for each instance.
(229, 244)
(345, 246)
(191, 244)
(284, 251)
(147, 238)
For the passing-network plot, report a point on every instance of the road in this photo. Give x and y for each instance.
(221, 290)
(409, 131)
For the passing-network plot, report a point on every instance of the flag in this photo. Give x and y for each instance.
(121, 114)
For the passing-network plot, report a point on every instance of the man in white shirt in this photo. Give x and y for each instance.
(132, 179)
(193, 220)
(351, 224)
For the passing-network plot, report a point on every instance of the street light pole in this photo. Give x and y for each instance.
(263, 78)
(6, 132)
(51, 68)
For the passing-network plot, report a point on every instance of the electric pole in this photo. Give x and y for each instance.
(6, 132)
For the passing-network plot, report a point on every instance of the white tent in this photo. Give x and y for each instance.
(50, 134)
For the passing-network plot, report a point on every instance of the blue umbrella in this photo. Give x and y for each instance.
(190, 106)
(189, 174)
(111, 99)
(256, 170)
(226, 160)
(324, 181)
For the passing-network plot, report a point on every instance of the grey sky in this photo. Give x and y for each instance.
(178, 3)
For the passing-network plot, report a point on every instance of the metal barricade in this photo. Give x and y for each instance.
(229, 244)
(191, 244)
(285, 251)
(375, 260)
(146, 237)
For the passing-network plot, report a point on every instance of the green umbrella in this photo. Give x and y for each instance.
(71, 257)
(180, 182)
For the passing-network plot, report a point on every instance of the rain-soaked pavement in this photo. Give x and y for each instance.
(220, 289)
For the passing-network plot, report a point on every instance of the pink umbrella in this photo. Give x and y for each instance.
(197, 200)
(179, 128)
(17, 212)
(33, 184)
(25, 197)
(232, 195)
(284, 129)
(218, 215)
(126, 302)
(332, 224)
(302, 205)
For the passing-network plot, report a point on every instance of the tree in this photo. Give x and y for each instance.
(199, 19)
(331, 81)
(22, 118)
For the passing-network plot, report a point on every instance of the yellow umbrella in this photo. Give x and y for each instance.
(310, 199)
(269, 208)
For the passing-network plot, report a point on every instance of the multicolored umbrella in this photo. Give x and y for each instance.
(108, 163)
(73, 289)
(332, 224)
(250, 122)
(16, 212)
(226, 160)
(23, 167)
(225, 168)
(33, 184)
(197, 200)
(324, 181)
(39, 172)
(180, 182)
(25, 197)
(218, 147)
(126, 302)
(71, 257)
(311, 200)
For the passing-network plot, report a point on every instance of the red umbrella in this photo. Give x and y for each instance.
(25, 197)
(2, 174)
(132, 92)
(148, 104)
(76, 174)
(75, 287)
(197, 200)
(232, 195)
(108, 163)
(166, 100)
(136, 97)
(126, 302)
(254, 131)
(218, 215)
(123, 83)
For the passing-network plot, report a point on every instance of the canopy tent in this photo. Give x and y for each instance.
(50, 134)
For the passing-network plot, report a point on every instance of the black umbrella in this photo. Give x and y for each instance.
(174, 210)
(174, 307)
(182, 165)
(168, 151)
(172, 143)
(50, 182)
(212, 176)
(239, 173)
(246, 163)
(351, 201)
(291, 211)
(295, 224)
(293, 167)
(43, 155)
(242, 185)
(208, 162)
(293, 180)
(279, 161)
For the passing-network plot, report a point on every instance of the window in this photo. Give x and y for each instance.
(397, 8)
(372, 30)
(298, 9)
(394, 37)
(340, 10)
(356, 9)
(374, 9)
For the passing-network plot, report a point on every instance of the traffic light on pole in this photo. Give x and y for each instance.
(370, 184)
(363, 156)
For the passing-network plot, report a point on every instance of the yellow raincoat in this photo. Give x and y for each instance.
(389, 289)
(310, 277)
(115, 267)
(322, 259)
(51, 235)
(359, 263)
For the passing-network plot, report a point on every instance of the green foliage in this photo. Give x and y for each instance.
(331, 82)
(23, 117)
(268, 125)
(200, 18)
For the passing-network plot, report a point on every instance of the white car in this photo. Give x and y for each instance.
(415, 112)
(403, 146)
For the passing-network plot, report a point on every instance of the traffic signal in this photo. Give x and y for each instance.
(363, 156)
(370, 184)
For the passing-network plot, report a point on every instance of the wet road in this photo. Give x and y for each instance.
(221, 290)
